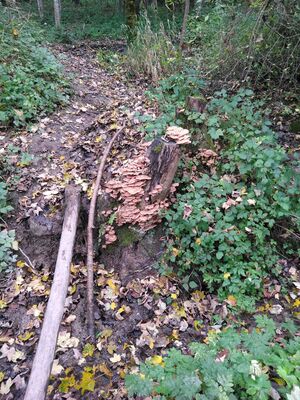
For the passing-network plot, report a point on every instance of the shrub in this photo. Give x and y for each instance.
(31, 80)
(231, 366)
(226, 234)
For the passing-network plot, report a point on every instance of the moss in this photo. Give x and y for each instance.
(295, 126)
(157, 149)
(127, 236)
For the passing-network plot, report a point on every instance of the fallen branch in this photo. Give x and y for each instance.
(42, 363)
(90, 244)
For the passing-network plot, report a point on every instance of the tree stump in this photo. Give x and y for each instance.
(164, 159)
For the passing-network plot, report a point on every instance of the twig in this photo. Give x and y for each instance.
(28, 260)
(90, 244)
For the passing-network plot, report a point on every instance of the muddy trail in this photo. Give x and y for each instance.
(138, 313)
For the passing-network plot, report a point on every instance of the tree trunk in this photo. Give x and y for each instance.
(164, 158)
(184, 22)
(40, 6)
(57, 13)
(131, 17)
(42, 363)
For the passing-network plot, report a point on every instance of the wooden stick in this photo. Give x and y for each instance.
(42, 363)
(90, 243)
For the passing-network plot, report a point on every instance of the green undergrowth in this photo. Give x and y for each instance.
(87, 20)
(31, 80)
(226, 227)
(232, 365)
(7, 237)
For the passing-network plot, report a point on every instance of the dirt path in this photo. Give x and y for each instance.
(67, 145)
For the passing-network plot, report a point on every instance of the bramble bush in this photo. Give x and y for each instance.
(31, 79)
(232, 365)
(226, 239)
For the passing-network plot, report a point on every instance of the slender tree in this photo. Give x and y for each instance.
(40, 6)
(57, 13)
(184, 22)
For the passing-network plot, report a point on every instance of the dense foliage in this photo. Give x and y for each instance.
(258, 40)
(31, 80)
(231, 366)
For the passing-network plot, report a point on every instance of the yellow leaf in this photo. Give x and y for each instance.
(175, 252)
(113, 305)
(67, 383)
(157, 360)
(15, 32)
(72, 289)
(27, 335)
(106, 333)
(151, 344)
(198, 295)
(98, 139)
(296, 303)
(173, 296)
(111, 348)
(279, 381)
(226, 275)
(3, 304)
(231, 300)
(21, 264)
(2, 375)
(121, 309)
(113, 286)
(88, 350)
(197, 325)
(122, 374)
(105, 370)
(175, 335)
(198, 241)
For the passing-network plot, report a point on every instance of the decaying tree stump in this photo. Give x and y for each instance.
(164, 159)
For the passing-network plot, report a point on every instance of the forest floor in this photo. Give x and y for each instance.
(138, 315)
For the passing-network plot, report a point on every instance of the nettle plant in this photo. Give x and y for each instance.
(221, 226)
(231, 366)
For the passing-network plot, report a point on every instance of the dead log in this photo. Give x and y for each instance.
(164, 159)
(42, 363)
(90, 241)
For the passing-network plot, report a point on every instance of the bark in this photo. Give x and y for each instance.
(90, 242)
(42, 363)
(57, 13)
(131, 17)
(164, 158)
(184, 22)
(40, 6)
